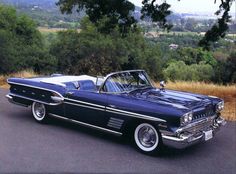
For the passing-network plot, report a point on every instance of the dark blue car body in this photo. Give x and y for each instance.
(119, 113)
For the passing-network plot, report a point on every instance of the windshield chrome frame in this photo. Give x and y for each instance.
(120, 72)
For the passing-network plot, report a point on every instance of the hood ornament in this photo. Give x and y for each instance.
(162, 85)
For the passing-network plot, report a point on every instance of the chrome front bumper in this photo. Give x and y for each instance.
(183, 137)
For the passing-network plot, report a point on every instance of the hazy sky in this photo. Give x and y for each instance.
(190, 5)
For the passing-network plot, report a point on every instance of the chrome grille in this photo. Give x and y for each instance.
(203, 113)
(199, 126)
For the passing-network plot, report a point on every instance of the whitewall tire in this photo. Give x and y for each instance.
(147, 138)
(39, 112)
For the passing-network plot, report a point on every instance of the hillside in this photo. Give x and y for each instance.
(45, 13)
(42, 3)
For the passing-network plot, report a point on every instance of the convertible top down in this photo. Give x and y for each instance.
(123, 102)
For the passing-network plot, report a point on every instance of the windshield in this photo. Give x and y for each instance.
(126, 82)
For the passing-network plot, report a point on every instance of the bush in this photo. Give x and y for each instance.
(195, 72)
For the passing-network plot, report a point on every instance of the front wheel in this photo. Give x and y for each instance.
(147, 138)
(39, 112)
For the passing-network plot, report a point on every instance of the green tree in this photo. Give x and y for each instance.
(91, 52)
(21, 44)
(231, 67)
(116, 12)
(194, 56)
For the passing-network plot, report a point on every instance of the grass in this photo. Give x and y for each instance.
(52, 30)
(228, 93)
(26, 73)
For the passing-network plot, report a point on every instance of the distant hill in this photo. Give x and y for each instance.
(42, 3)
(45, 13)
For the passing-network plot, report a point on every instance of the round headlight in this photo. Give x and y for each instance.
(220, 106)
(186, 118)
(190, 117)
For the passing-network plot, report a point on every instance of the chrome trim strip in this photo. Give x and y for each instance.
(14, 83)
(10, 99)
(27, 98)
(84, 106)
(58, 116)
(114, 126)
(153, 119)
(116, 119)
(91, 104)
(117, 111)
(57, 99)
(178, 139)
(112, 110)
(86, 124)
(133, 114)
(115, 123)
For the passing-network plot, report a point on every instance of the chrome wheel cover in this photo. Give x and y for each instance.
(146, 137)
(38, 111)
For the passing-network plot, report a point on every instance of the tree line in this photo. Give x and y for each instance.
(97, 53)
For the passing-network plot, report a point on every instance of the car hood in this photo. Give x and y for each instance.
(177, 99)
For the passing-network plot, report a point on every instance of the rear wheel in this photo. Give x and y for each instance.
(147, 138)
(39, 112)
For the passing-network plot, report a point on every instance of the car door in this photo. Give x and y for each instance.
(86, 106)
(118, 111)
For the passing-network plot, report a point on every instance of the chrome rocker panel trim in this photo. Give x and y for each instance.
(180, 141)
(86, 124)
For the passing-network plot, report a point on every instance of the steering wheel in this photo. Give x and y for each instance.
(130, 83)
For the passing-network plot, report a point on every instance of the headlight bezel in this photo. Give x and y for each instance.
(186, 118)
(220, 106)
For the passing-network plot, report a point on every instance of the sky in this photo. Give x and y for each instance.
(190, 5)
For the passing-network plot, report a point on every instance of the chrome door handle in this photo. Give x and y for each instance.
(112, 106)
(57, 99)
(70, 93)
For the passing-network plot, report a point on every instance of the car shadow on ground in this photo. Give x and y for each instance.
(123, 140)
(85, 130)
(165, 152)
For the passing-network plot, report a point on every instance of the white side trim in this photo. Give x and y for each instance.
(90, 107)
(86, 124)
(112, 110)
(91, 104)
(133, 114)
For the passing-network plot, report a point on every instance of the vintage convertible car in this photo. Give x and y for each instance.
(121, 103)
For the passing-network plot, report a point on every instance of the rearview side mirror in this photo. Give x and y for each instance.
(162, 85)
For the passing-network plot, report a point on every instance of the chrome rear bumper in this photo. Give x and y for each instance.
(11, 100)
(182, 138)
